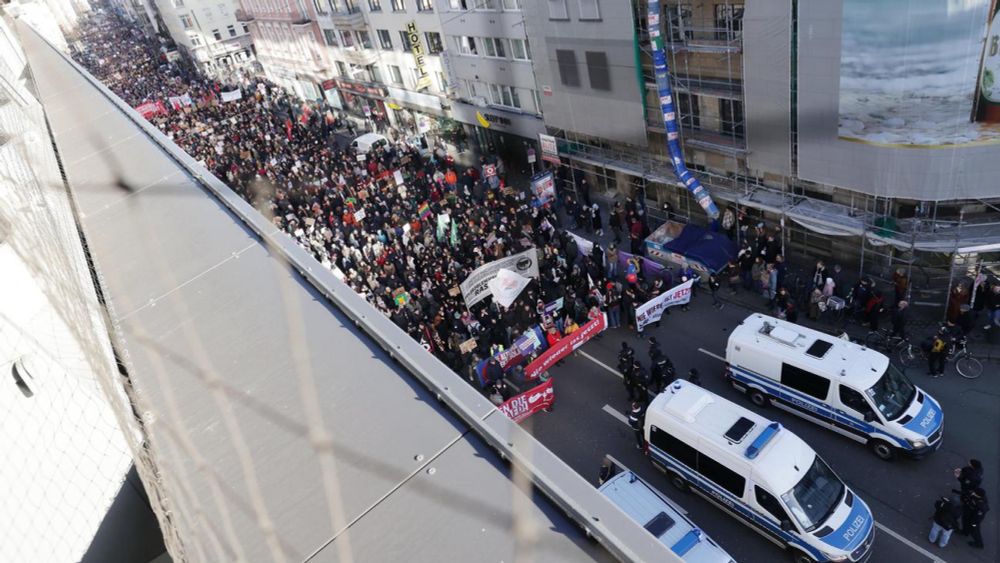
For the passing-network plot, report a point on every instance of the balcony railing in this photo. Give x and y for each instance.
(352, 18)
(360, 57)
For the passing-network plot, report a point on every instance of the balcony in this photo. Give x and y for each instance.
(360, 57)
(244, 16)
(352, 18)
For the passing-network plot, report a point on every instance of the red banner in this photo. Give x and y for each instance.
(528, 403)
(565, 346)
(149, 109)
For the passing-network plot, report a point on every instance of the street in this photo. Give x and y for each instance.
(588, 422)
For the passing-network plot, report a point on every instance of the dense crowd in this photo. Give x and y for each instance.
(384, 238)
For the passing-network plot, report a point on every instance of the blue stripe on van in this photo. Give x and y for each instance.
(744, 375)
(686, 543)
(726, 498)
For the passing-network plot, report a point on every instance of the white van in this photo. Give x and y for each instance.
(833, 382)
(759, 472)
(647, 506)
(368, 141)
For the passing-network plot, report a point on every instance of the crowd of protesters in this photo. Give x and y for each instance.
(381, 236)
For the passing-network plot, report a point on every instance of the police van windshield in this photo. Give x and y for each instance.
(816, 496)
(892, 394)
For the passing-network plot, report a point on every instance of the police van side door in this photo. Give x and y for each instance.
(774, 519)
(854, 414)
(806, 393)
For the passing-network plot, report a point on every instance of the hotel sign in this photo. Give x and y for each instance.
(419, 55)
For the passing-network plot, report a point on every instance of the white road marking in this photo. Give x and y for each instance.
(611, 410)
(600, 363)
(911, 545)
(711, 354)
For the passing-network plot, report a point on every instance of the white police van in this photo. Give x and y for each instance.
(647, 506)
(759, 472)
(833, 382)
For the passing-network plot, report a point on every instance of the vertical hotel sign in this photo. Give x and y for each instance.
(419, 55)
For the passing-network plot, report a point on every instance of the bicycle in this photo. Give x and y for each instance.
(967, 365)
(884, 340)
(911, 354)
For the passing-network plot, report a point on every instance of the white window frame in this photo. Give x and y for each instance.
(492, 47)
(558, 10)
(466, 45)
(504, 96)
(512, 5)
(590, 10)
(396, 75)
(524, 47)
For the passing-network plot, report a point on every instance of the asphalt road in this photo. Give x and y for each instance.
(586, 424)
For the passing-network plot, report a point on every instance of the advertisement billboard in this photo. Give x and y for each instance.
(911, 73)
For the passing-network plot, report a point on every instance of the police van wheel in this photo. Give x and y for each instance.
(799, 557)
(679, 482)
(759, 398)
(882, 450)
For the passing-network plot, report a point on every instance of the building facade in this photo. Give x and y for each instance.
(209, 33)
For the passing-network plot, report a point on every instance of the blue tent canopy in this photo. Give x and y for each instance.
(714, 250)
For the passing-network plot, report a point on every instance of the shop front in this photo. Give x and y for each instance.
(508, 133)
(364, 101)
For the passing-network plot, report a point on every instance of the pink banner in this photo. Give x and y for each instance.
(528, 403)
(149, 109)
(565, 346)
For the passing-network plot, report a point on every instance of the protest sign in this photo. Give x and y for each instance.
(543, 186)
(232, 96)
(565, 346)
(506, 286)
(651, 311)
(475, 288)
(585, 246)
(528, 403)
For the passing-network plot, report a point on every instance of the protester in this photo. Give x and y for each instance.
(944, 521)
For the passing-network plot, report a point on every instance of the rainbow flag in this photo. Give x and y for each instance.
(424, 210)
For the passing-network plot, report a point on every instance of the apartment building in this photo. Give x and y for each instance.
(384, 61)
(779, 119)
(491, 65)
(209, 33)
(287, 42)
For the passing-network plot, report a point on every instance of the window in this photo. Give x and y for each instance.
(673, 447)
(331, 37)
(852, 399)
(512, 5)
(598, 70)
(537, 100)
(405, 40)
(178, 3)
(341, 68)
(346, 39)
(425, 5)
(371, 71)
(364, 39)
(232, 30)
(493, 47)
(590, 10)
(470, 87)
(485, 4)
(217, 35)
(569, 75)
(395, 74)
(398, 6)
(195, 40)
(374, 5)
(732, 117)
(728, 21)
(504, 96)
(458, 4)
(352, 6)
(442, 81)
(557, 10)
(433, 45)
(767, 501)
(246, 28)
(466, 45)
(520, 50)
(187, 22)
(320, 7)
(687, 107)
(384, 39)
(721, 475)
(808, 383)
(678, 18)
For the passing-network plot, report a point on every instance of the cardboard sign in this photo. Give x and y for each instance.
(359, 215)
(467, 346)
(398, 176)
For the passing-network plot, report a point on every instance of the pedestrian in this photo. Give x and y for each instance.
(713, 287)
(595, 218)
(611, 261)
(970, 476)
(900, 284)
(615, 221)
(935, 356)
(899, 319)
(693, 376)
(944, 521)
(974, 509)
(636, 420)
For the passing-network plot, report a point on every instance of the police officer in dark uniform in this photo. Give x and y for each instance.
(661, 372)
(970, 476)
(637, 420)
(628, 379)
(654, 348)
(640, 379)
(974, 509)
(625, 357)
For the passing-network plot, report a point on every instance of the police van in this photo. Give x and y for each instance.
(835, 383)
(759, 472)
(651, 510)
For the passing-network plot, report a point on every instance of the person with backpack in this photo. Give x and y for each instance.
(974, 509)
(935, 356)
(944, 521)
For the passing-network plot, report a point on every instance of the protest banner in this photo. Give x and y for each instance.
(475, 288)
(543, 186)
(651, 311)
(565, 346)
(506, 286)
(522, 406)
(585, 246)
(149, 109)
(524, 346)
(232, 96)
